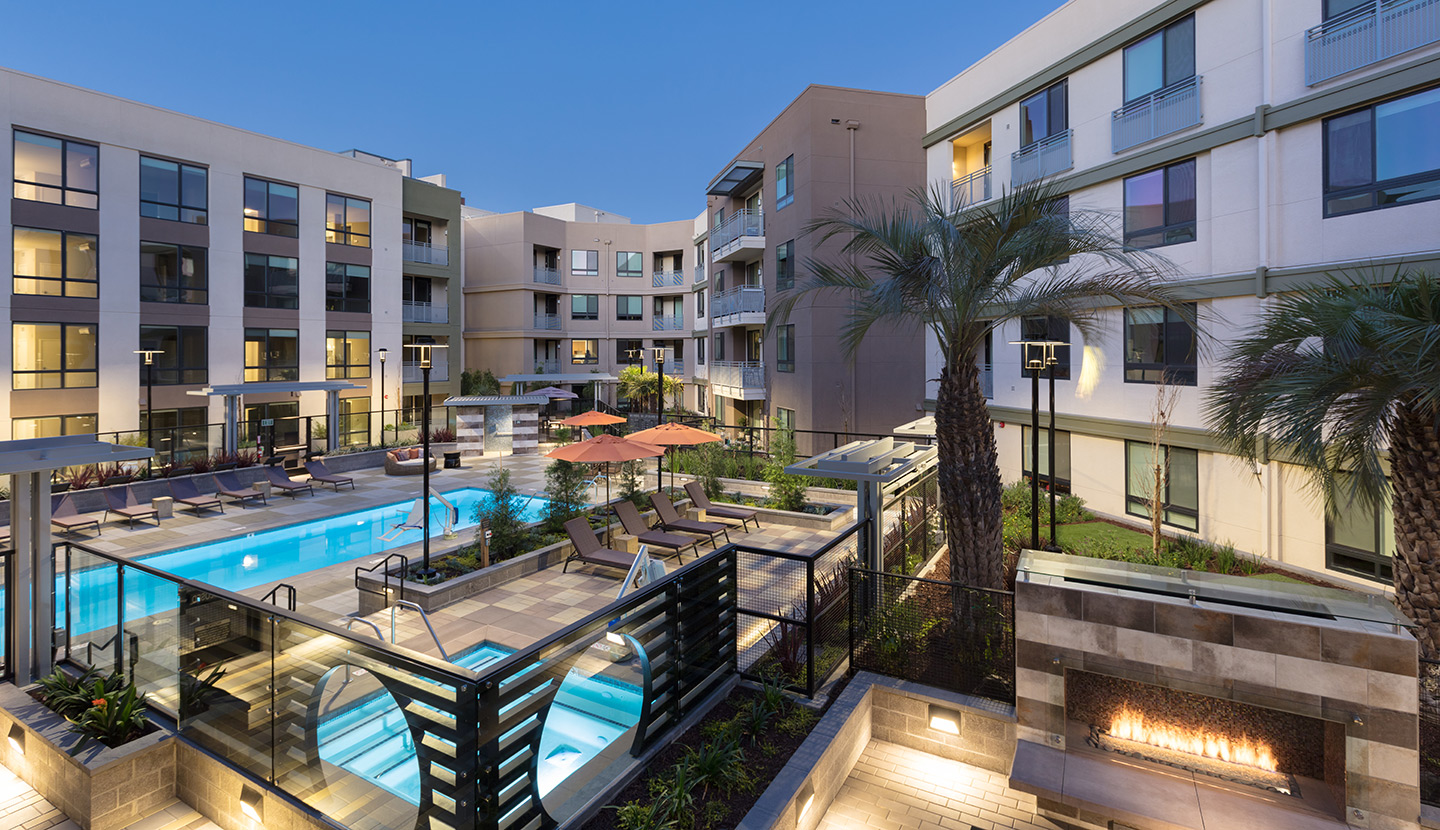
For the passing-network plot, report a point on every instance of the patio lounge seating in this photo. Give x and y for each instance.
(122, 502)
(64, 515)
(670, 519)
(5, 536)
(702, 501)
(281, 481)
(588, 549)
(407, 461)
(185, 492)
(319, 472)
(634, 525)
(229, 486)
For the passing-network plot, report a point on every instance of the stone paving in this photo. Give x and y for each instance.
(22, 808)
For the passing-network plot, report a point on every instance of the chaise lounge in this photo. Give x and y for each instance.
(64, 515)
(589, 550)
(319, 472)
(634, 525)
(702, 501)
(123, 503)
(670, 519)
(229, 486)
(279, 480)
(186, 493)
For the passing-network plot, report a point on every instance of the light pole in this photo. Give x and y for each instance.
(382, 353)
(1043, 352)
(423, 353)
(660, 368)
(149, 355)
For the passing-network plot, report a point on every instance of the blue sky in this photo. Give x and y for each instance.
(630, 107)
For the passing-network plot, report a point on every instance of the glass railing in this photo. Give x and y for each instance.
(971, 189)
(425, 312)
(547, 276)
(412, 373)
(740, 374)
(1369, 34)
(668, 322)
(663, 279)
(741, 223)
(699, 273)
(547, 322)
(748, 299)
(1046, 157)
(1160, 113)
(424, 252)
(547, 367)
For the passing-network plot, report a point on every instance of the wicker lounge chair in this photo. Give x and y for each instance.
(281, 481)
(588, 549)
(319, 472)
(64, 515)
(229, 486)
(670, 519)
(702, 501)
(122, 502)
(186, 493)
(634, 525)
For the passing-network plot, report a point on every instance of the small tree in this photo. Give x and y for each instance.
(504, 514)
(565, 487)
(787, 490)
(475, 382)
(632, 486)
(708, 463)
(1166, 397)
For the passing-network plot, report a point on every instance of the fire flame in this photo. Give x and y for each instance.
(1130, 725)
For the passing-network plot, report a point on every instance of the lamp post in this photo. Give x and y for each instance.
(382, 352)
(149, 355)
(423, 353)
(1037, 355)
(660, 369)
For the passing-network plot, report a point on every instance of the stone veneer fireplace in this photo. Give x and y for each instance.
(1156, 698)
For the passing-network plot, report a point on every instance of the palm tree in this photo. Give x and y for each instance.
(641, 386)
(1337, 374)
(959, 272)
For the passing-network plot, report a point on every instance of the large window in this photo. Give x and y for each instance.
(628, 264)
(1160, 206)
(585, 263)
(1180, 491)
(347, 220)
(629, 307)
(584, 352)
(1383, 155)
(700, 351)
(354, 421)
(785, 182)
(785, 419)
(1360, 540)
(54, 426)
(174, 191)
(1161, 59)
(1046, 328)
(272, 354)
(347, 354)
(700, 304)
(415, 230)
(347, 287)
(173, 274)
(1062, 457)
(719, 347)
(272, 281)
(56, 263)
(54, 355)
(785, 348)
(56, 171)
(183, 358)
(785, 265)
(584, 306)
(1045, 113)
(629, 352)
(271, 207)
(1159, 346)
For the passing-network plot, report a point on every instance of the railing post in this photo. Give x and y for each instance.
(119, 620)
(810, 627)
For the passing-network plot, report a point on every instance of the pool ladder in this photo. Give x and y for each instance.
(349, 624)
(424, 616)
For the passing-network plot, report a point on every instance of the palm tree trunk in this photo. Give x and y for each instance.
(1414, 469)
(969, 478)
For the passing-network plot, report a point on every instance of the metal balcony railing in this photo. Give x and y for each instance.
(668, 322)
(414, 312)
(547, 322)
(1371, 33)
(741, 374)
(661, 279)
(1160, 113)
(424, 252)
(745, 299)
(741, 223)
(547, 276)
(439, 371)
(1046, 157)
(987, 379)
(699, 273)
(972, 189)
(547, 367)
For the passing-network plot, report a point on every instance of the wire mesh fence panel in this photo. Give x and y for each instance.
(830, 615)
(1430, 732)
(771, 608)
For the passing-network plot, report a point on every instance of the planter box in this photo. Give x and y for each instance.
(833, 520)
(349, 462)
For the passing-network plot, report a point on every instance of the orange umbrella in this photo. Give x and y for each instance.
(591, 419)
(674, 435)
(605, 449)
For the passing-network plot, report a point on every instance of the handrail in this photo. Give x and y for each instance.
(90, 647)
(272, 597)
(383, 565)
(424, 616)
(379, 635)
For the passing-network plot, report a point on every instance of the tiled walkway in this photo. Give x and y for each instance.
(893, 787)
(22, 807)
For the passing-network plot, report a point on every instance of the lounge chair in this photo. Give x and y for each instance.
(122, 502)
(634, 525)
(5, 536)
(670, 519)
(64, 515)
(319, 472)
(185, 492)
(702, 501)
(281, 481)
(229, 486)
(588, 549)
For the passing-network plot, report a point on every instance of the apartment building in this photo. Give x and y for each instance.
(1255, 145)
(827, 146)
(432, 256)
(568, 293)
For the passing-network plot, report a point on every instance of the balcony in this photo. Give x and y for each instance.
(674, 368)
(414, 312)
(742, 380)
(439, 371)
(547, 276)
(669, 322)
(547, 367)
(699, 274)
(741, 238)
(1160, 113)
(743, 306)
(1044, 158)
(547, 322)
(663, 279)
(972, 189)
(424, 252)
(1369, 34)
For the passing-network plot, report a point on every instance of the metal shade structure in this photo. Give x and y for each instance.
(233, 392)
(605, 449)
(673, 435)
(554, 393)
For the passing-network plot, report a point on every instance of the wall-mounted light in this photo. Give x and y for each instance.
(804, 801)
(252, 803)
(17, 738)
(944, 720)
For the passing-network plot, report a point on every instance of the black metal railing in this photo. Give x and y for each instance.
(913, 528)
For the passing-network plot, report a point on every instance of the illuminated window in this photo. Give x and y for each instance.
(174, 191)
(347, 354)
(271, 207)
(55, 263)
(272, 354)
(56, 171)
(347, 220)
(54, 426)
(583, 352)
(54, 355)
(173, 274)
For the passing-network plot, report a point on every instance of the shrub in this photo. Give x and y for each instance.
(113, 717)
(69, 696)
(562, 435)
(631, 483)
(473, 382)
(707, 469)
(787, 490)
(565, 487)
(442, 436)
(503, 513)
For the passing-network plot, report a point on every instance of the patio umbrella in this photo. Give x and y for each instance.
(605, 449)
(673, 435)
(593, 418)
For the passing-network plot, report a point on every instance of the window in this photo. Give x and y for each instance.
(1180, 502)
(584, 352)
(354, 421)
(347, 220)
(1046, 328)
(1360, 540)
(1160, 206)
(1062, 457)
(1044, 114)
(785, 418)
(272, 354)
(272, 281)
(629, 307)
(785, 348)
(184, 358)
(271, 207)
(1383, 155)
(54, 355)
(55, 425)
(56, 171)
(630, 352)
(700, 304)
(584, 306)
(700, 351)
(347, 354)
(347, 287)
(785, 266)
(627, 264)
(173, 274)
(1159, 346)
(415, 230)
(719, 347)
(1339, 8)
(55, 263)
(174, 191)
(1162, 59)
(785, 182)
(585, 263)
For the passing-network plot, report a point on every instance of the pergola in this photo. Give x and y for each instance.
(30, 464)
(234, 392)
(555, 378)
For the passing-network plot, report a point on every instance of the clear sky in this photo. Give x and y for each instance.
(631, 107)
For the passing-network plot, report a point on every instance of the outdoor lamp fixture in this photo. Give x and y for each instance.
(422, 354)
(944, 720)
(252, 803)
(17, 738)
(149, 398)
(1037, 355)
(660, 390)
(804, 800)
(383, 354)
